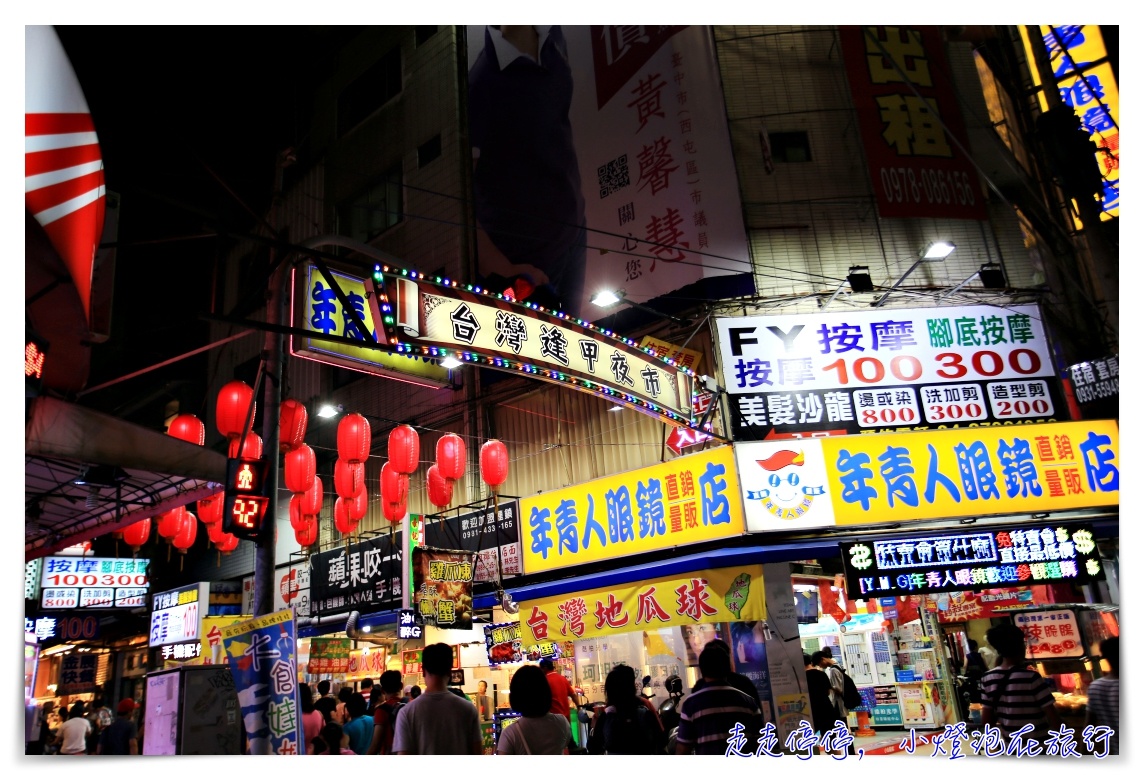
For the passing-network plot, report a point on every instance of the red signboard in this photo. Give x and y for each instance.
(910, 122)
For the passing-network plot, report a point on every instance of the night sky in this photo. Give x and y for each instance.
(171, 105)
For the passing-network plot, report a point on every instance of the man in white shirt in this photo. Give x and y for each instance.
(72, 734)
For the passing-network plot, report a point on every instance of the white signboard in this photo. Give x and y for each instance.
(886, 369)
(177, 614)
(1050, 634)
(93, 583)
(784, 485)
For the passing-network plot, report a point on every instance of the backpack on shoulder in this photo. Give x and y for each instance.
(850, 696)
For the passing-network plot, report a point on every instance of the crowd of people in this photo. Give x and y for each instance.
(84, 728)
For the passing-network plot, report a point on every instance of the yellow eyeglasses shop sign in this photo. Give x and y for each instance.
(852, 480)
(684, 501)
(714, 596)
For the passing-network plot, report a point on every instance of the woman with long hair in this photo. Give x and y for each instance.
(538, 732)
(627, 727)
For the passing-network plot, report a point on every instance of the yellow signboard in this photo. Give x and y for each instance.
(973, 471)
(688, 358)
(687, 500)
(265, 621)
(715, 596)
(318, 310)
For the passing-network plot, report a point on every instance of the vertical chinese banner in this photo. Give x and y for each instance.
(263, 661)
(910, 121)
(443, 587)
(602, 159)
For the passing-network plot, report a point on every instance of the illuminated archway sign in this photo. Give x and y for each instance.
(439, 318)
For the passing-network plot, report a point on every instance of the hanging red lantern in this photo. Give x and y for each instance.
(169, 522)
(226, 543)
(137, 534)
(451, 456)
(342, 520)
(188, 428)
(312, 499)
(210, 508)
(232, 408)
(296, 519)
(215, 533)
(292, 419)
(494, 463)
(348, 477)
(394, 485)
(394, 512)
(301, 467)
(440, 490)
(307, 534)
(188, 530)
(353, 438)
(404, 449)
(251, 446)
(359, 504)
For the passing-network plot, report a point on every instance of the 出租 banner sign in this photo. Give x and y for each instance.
(901, 369)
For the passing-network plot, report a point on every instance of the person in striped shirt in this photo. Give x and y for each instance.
(1013, 695)
(709, 714)
(1104, 695)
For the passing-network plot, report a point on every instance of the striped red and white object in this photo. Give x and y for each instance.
(63, 167)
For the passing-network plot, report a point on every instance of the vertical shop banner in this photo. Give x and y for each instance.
(610, 137)
(482, 532)
(366, 575)
(911, 124)
(715, 596)
(803, 375)
(1087, 84)
(443, 587)
(684, 501)
(329, 655)
(966, 472)
(292, 588)
(264, 665)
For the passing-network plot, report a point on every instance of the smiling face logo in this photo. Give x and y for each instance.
(785, 498)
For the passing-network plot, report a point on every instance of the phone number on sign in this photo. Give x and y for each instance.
(907, 185)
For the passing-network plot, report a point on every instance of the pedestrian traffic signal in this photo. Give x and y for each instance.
(246, 499)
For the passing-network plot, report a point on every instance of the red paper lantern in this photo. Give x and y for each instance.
(404, 449)
(494, 463)
(394, 512)
(188, 428)
(353, 438)
(292, 419)
(359, 504)
(188, 529)
(451, 456)
(394, 485)
(170, 522)
(440, 490)
(232, 407)
(215, 533)
(342, 520)
(251, 446)
(312, 498)
(296, 519)
(226, 543)
(210, 508)
(137, 534)
(307, 534)
(301, 468)
(348, 477)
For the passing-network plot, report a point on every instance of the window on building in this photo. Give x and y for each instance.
(424, 32)
(429, 151)
(369, 91)
(790, 147)
(375, 210)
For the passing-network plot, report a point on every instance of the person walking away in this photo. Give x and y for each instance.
(539, 731)
(563, 697)
(100, 718)
(385, 713)
(325, 703)
(341, 713)
(414, 692)
(366, 687)
(312, 718)
(734, 679)
(627, 726)
(72, 734)
(1104, 695)
(333, 741)
(1013, 695)
(709, 715)
(837, 684)
(822, 711)
(121, 738)
(483, 702)
(437, 722)
(358, 726)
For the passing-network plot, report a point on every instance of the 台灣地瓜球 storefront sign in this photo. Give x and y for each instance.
(714, 596)
(684, 501)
